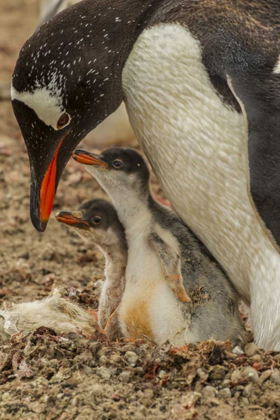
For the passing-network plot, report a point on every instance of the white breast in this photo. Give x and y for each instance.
(149, 305)
(197, 148)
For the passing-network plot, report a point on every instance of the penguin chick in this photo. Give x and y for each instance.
(97, 221)
(53, 312)
(160, 247)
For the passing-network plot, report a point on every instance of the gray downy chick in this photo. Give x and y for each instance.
(162, 248)
(97, 221)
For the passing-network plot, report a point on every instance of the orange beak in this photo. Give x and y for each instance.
(47, 191)
(68, 218)
(87, 158)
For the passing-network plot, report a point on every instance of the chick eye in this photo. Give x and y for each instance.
(63, 120)
(117, 163)
(96, 220)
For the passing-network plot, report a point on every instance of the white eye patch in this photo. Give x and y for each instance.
(44, 103)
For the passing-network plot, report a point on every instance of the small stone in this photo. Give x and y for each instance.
(250, 373)
(37, 407)
(190, 399)
(275, 377)
(87, 370)
(125, 376)
(103, 360)
(226, 383)
(218, 373)
(139, 371)
(75, 401)
(237, 350)
(162, 374)
(131, 357)
(264, 376)
(248, 390)
(236, 377)
(115, 359)
(224, 393)
(130, 347)
(209, 392)
(5, 396)
(56, 378)
(104, 373)
(250, 349)
(147, 398)
(96, 389)
(203, 374)
(256, 358)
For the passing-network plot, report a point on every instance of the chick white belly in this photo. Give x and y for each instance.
(198, 150)
(148, 306)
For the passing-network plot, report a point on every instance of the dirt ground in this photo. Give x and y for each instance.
(46, 376)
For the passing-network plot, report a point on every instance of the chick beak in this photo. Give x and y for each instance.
(73, 219)
(87, 158)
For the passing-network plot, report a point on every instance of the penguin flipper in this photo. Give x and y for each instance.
(171, 265)
(259, 98)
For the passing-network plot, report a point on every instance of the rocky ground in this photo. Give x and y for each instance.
(48, 376)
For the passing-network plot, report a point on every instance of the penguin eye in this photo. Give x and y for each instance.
(96, 220)
(63, 120)
(117, 163)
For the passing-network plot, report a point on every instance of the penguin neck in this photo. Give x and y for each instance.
(115, 262)
(133, 210)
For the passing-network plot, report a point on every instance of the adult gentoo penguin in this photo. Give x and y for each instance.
(200, 80)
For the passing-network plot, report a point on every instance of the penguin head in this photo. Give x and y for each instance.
(118, 170)
(66, 81)
(96, 221)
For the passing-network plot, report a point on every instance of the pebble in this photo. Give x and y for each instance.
(248, 390)
(250, 349)
(129, 347)
(103, 360)
(208, 392)
(218, 372)
(236, 376)
(226, 383)
(125, 376)
(237, 350)
(190, 399)
(96, 389)
(104, 373)
(224, 393)
(115, 359)
(5, 396)
(131, 357)
(256, 358)
(275, 377)
(75, 401)
(264, 376)
(148, 397)
(203, 374)
(250, 373)
(140, 371)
